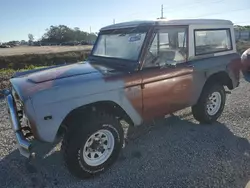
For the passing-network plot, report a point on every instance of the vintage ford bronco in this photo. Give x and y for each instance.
(136, 71)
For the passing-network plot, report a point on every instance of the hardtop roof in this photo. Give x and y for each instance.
(138, 23)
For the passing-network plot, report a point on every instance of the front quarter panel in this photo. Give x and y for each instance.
(60, 101)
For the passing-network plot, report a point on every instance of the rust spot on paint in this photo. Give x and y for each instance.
(166, 91)
(156, 92)
(235, 66)
(132, 88)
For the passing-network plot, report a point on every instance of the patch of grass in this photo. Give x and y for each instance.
(7, 71)
(11, 64)
(10, 71)
(6, 74)
(29, 61)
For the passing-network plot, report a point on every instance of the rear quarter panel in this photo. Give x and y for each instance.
(206, 66)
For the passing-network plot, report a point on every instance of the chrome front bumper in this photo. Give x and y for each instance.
(24, 145)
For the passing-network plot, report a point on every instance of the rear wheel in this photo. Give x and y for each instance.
(210, 104)
(92, 146)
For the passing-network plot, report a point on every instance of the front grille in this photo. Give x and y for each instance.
(25, 127)
(23, 120)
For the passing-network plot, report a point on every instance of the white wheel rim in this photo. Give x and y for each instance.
(213, 103)
(98, 148)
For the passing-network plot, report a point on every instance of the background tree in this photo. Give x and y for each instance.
(31, 38)
(23, 42)
(62, 34)
(239, 27)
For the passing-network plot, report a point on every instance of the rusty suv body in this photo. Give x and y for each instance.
(124, 82)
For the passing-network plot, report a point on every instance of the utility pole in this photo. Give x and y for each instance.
(113, 21)
(90, 29)
(162, 11)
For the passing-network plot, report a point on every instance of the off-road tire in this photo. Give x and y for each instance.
(199, 110)
(76, 136)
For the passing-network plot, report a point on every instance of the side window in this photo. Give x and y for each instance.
(168, 47)
(182, 39)
(212, 41)
(153, 50)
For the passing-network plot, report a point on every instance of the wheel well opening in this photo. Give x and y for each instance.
(106, 106)
(222, 78)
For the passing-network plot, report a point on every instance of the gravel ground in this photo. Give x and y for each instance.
(4, 80)
(175, 152)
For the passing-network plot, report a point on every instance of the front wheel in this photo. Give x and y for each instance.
(93, 145)
(210, 104)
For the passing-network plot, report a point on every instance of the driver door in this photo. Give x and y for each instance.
(167, 80)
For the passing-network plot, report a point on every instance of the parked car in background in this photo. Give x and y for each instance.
(70, 43)
(5, 46)
(85, 43)
(137, 71)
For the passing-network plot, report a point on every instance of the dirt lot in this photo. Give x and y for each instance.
(40, 49)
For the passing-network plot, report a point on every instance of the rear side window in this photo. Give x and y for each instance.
(212, 41)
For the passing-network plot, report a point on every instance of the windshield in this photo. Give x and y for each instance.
(120, 45)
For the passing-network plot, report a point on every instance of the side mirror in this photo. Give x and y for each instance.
(171, 64)
(167, 64)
